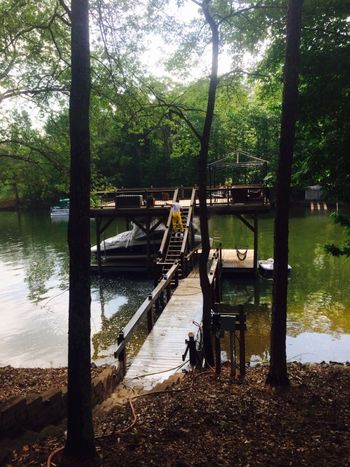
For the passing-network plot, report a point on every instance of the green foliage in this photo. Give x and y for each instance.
(321, 153)
(143, 130)
(331, 248)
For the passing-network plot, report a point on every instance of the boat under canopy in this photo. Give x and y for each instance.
(133, 242)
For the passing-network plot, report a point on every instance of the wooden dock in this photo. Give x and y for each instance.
(161, 354)
(238, 261)
(165, 344)
(144, 207)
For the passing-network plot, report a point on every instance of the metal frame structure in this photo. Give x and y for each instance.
(239, 167)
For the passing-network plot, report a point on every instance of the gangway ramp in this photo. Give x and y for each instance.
(161, 354)
(165, 344)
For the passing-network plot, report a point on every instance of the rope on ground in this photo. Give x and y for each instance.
(52, 455)
(134, 420)
(163, 371)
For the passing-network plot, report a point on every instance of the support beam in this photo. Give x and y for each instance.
(255, 243)
(245, 222)
(98, 245)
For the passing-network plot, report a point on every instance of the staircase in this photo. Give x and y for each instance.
(173, 253)
(176, 248)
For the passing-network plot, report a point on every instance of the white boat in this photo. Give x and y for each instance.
(266, 267)
(132, 243)
(61, 210)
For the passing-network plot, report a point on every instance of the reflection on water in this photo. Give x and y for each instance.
(117, 301)
(34, 296)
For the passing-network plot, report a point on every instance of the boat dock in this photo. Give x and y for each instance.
(175, 307)
(165, 345)
(161, 354)
(144, 207)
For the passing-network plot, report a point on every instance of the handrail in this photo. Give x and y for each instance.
(188, 221)
(214, 267)
(156, 299)
(150, 301)
(167, 228)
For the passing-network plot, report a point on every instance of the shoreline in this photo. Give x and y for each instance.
(203, 419)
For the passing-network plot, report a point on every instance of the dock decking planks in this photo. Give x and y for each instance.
(165, 345)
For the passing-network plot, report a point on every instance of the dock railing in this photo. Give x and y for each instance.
(215, 273)
(166, 236)
(153, 305)
(157, 196)
(238, 194)
(188, 238)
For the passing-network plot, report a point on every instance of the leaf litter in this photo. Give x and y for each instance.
(205, 420)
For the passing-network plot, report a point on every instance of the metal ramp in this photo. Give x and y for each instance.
(173, 253)
(176, 248)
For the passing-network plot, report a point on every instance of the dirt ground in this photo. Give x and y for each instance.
(204, 420)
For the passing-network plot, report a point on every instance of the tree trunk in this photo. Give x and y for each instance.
(278, 375)
(80, 445)
(203, 161)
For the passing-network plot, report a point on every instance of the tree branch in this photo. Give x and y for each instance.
(21, 158)
(27, 92)
(42, 152)
(66, 9)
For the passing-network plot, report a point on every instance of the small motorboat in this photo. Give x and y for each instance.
(61, 209)
(132, 243)
(266, 267)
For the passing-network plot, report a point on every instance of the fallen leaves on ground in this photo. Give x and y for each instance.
(205, 420)
(19, 382)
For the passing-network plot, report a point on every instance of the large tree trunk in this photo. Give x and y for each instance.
(278, 374)
(203, 214)
(80, 444)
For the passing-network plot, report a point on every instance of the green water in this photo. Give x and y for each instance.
(318, 291)
(34, 297)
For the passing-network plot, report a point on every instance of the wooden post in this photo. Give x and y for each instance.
(168, 292)
(148, 234)
(217, 293)
(216, 328)
(241, 341)
(220, 269)
(122, 355)
(150, 316)
(177, 277)
(160, 301)
(98, 244)
(255, 243)
(217, 353)
(232, 358)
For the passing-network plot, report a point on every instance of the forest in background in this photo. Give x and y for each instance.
(143, 127)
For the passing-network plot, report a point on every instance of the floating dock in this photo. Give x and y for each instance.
(238, 261)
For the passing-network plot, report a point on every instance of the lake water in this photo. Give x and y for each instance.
(34, 297)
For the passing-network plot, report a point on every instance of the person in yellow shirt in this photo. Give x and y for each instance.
(176, 217)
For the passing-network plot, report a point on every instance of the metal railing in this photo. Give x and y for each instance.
(243, 194)
(166, 236)
(188, 237)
